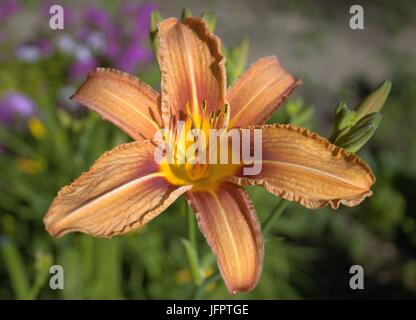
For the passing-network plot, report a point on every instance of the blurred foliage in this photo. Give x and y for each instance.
(307, 253)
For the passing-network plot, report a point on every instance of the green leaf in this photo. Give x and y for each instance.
(196, 270)
(15, 268)
(237, 60)
(43, 262)
(186, 13)
(211, 20)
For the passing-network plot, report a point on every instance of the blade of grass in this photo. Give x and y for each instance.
(15, 269)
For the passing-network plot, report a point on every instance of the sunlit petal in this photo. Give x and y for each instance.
(124, 100)
(301, 166)
(259, 91)
(228, 221)
(122, 191)
(192, 67)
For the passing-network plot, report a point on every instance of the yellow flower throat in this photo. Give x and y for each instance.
(189, 148)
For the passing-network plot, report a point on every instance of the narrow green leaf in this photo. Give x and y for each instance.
(15, 269)
(196, 270)
(211, 20)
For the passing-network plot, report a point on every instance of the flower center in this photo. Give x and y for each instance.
(193, 149)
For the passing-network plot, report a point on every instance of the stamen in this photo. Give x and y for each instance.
(226, 108)
(216, 118)
(211, 117)
(188, 110)
(204, 120)
(204, 106)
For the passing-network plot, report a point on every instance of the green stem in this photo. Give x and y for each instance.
(191, 226)
(190, 245)
(276, 213)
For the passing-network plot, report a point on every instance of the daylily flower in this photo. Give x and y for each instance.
(126, 188)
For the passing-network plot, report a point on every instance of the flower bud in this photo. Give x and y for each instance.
(360, 133)
(374, 101)
(155, 18)
(344, 117)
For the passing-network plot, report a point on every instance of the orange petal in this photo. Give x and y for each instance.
(228, 221)
(122, 191)
(192, 67)
(124, 100)
(301, 166)
(259, 91)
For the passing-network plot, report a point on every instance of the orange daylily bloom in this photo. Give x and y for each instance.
(126, 188)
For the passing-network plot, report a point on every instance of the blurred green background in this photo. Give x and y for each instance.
(46, 141)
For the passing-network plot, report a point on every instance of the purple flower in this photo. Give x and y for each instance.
(112, 49)
(140, 14)
(100, 38)
(113, 36)
(98, 21)
(28, 53)
(8, 8)
(82, 67)
(14, 106)
(45, 46)
(32, 52)
(132, 56)
(97, 17)
(141, 23)
(6, 116)
(67, 44)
